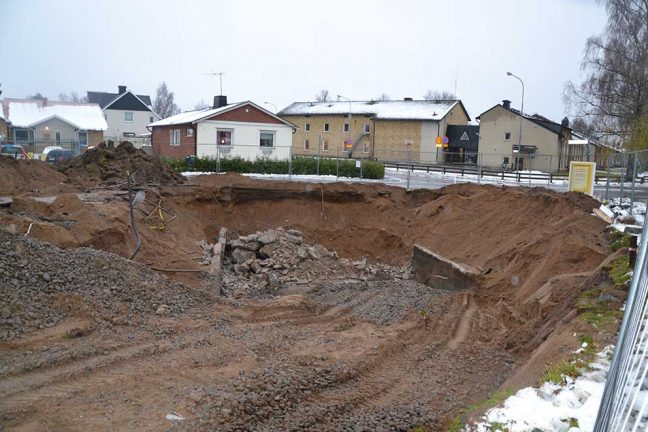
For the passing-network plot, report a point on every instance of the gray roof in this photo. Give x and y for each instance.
(104, 99)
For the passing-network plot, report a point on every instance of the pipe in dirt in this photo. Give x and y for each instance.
(138, 240)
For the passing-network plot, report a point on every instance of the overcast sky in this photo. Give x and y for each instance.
(286, 51)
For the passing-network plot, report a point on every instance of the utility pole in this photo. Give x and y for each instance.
(517, 155)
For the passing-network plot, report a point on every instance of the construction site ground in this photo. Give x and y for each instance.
(316, 320)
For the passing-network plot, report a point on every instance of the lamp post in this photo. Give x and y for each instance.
(350, 115)
(273, 105)
(517, 155)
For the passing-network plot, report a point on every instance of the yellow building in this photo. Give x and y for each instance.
(383, 130)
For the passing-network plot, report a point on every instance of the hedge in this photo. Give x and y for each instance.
(300, 166)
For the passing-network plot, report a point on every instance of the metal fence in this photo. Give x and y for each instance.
(33, 149)
(624, 404)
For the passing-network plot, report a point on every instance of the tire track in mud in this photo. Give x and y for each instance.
(373, 382)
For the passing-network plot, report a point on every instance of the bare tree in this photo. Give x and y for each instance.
(201, 105)
(36, 96)
(613, 97)
(432, 95)
(384, 97)
(164, 104)
(72, 97)
(323, 96)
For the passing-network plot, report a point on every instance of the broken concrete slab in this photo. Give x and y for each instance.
(436, 271)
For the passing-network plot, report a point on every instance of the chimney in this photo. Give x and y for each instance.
(506, 104)
(565, 122)
(121, 89)
(408, 99)
(220, 101)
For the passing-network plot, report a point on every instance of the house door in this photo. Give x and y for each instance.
(58, 138)
(520, 163)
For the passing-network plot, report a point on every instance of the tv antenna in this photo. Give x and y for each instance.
(219, 75)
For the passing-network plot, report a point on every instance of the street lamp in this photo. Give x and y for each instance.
(517, 155)
(270, 103)
(350, 115)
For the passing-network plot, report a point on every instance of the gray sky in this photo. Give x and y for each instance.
(286, 51)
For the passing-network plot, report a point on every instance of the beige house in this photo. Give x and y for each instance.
(544, 147)
(383, 130)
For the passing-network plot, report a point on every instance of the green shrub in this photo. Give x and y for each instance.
(300, 166)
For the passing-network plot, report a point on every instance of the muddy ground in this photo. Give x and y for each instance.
(323, 328)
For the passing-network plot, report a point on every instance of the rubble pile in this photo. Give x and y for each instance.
(264, 264)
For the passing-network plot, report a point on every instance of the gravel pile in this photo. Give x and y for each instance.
(41, 284)
(382, 301)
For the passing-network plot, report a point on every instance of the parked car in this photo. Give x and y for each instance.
(13, 150)
(58, 156)
(48, 149)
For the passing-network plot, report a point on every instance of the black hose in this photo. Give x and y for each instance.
(138, 240)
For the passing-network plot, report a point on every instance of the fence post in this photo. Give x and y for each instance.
(319, 146)
(217, 159)
(607, 182)
(530, 166)
(361, 168)
(337, 164)
(634, 178)
(479, 167)
(623, 176)
(409, 170)
(290, 163)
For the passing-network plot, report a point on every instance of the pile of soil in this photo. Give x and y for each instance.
(105, 165)
(30, 176)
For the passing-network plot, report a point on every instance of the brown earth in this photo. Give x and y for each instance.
(329, 366)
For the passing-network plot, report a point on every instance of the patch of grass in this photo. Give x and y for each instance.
(573, 422)
(556, 373)
(456, 424)
(591, 348)
(601, 317)
(620, 272)
(494, 400)
(497, 426)
(619, 240)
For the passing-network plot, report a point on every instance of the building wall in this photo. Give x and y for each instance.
(4, 129)
(392, 137)
(493, 147)
(67, 131)
(161, 141)
(117, 126)
(95, 137)
(245, 140)
(335, 136)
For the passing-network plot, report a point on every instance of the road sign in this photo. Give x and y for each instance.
(439, 141)
(446, 140)
(348, 144)
(581, 177)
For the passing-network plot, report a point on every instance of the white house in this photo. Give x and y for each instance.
(225, 130)
(127, 114)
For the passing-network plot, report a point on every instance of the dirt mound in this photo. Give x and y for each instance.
(105, 165)
(31, 176)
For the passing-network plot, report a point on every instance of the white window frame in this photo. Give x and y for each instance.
(325, 145)
(132, 116)
(274, 137)
(306, 127)
(326, 127)
(346, 127)
(231, 131)
(367, 128)
(190, 132)
(174, 137)
(306, 144)
(365, 147)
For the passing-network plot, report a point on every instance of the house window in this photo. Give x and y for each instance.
(346, 127)
(189, 132)
(224, 137)
(365, 149)
(83, 138)
(175, 137)
(21, 134)
(266, 139)
(128, 116)
(506, 160)
(507, 136)
(307, 127)
(306, 144)
(151, 119)
(326, 127)
(367, 128)
(325, 145)
(47, 136)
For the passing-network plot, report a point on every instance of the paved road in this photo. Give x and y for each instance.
(436, 180)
